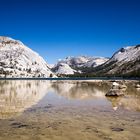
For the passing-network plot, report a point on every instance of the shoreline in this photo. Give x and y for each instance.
(78, 79)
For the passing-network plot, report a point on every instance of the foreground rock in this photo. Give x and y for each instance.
(116, 89)
(17, 60)
(115, 92)
(138, 86)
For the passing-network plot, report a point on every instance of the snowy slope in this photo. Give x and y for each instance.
(17, 60)
(84, 61)
(126, 61)
(127, 54)
(72, 65)
(63, 68)
(94, 62)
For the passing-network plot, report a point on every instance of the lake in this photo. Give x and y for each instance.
(67, 110)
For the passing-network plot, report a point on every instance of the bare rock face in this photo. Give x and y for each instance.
(125, 61)
(63, 68)
(84, 61)
(17, 60)
(72, 65)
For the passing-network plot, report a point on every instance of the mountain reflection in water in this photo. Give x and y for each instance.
(131, 100)
(16, 96)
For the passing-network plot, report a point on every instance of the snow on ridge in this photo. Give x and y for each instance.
(64, 68)
(95, 62)
(126, 54)
(17, 60)
(70, 64)
(9, 40)
(83, 61)
(4, 38)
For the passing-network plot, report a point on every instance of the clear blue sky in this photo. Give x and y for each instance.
(60, 28)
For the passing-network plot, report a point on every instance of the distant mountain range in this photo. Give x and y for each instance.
(17, 60)
(73, 65)
(125, 62)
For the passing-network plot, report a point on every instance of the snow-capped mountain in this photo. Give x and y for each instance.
(84, 61)
(17, 60)
(94, 62)
(63, 68)
(126, 61)
(50, 66)
(71, 65)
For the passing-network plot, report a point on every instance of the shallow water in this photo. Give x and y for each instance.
(67, 110)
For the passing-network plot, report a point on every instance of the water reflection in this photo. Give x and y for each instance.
(17, 96)
(131, 100)
(81, 91)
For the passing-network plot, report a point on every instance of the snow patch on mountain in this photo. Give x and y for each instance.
(94, 62)
(127, 54)
(71, 65)
(84, 61)
(17, 60)
(63, 68)
(124, 61)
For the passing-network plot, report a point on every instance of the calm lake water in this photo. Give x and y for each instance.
(67, 110)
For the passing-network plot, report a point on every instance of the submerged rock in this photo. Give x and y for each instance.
(122, 86)
(117, 89)
(115, 92)
(116, 85)
(137, 85)
(117, 129)
(18, 125)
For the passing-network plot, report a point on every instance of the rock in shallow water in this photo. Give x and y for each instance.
(137, 86)
(117, 129)
(116, 85)
(115, 92)
(18, 125)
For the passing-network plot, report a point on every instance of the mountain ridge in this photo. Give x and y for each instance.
(124, 62)
(76, 64)
(17, 60)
